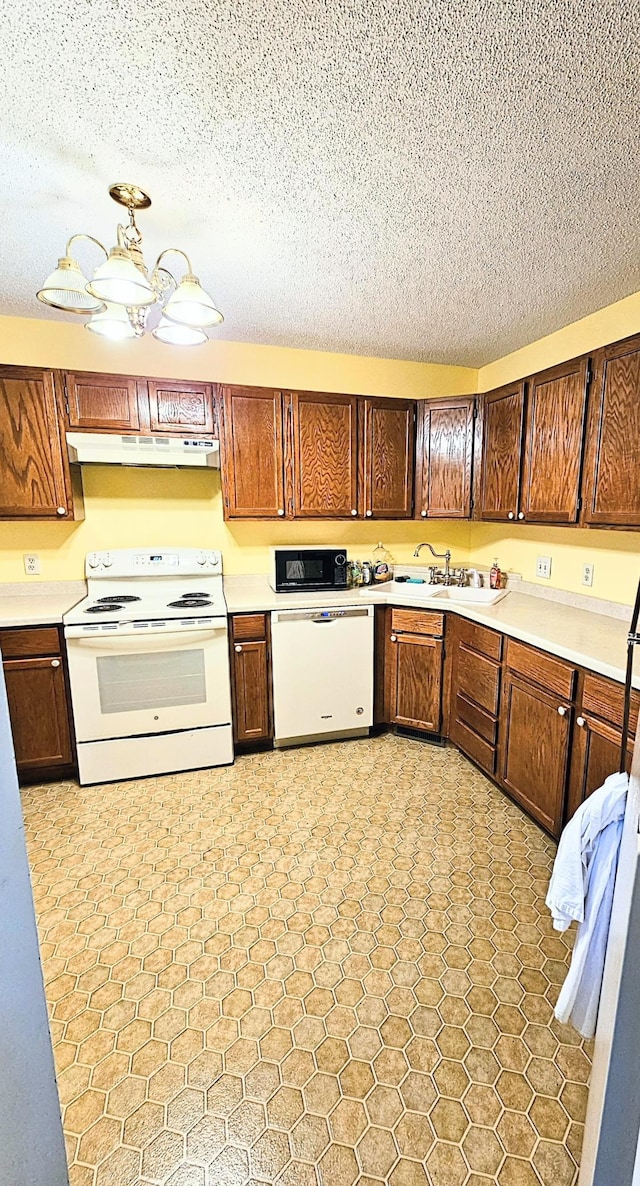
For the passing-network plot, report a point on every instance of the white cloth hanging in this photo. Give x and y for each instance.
(581, 890)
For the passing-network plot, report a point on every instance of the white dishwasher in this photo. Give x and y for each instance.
(322, 673)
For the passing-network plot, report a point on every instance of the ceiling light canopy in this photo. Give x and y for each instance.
(122, 292)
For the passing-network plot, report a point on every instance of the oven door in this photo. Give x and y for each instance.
(128, 684)
(297, 569)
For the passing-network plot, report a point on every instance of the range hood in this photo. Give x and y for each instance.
(101, 448)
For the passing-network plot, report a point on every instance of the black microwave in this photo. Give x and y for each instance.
(301, 570)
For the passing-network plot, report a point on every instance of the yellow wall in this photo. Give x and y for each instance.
(132, 507)
(615, 554)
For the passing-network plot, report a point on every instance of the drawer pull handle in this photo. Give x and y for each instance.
(55, 662)
(238, 648)
(562, 712)
(581, 723)
(394, 638)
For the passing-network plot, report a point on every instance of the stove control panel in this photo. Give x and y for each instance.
(136, 562)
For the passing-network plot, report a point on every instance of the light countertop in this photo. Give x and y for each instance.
(39, 604)
(592, 640)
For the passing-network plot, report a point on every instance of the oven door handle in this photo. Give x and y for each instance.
(144, 641)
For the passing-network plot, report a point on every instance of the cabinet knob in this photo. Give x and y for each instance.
(238, 648)
(281, 512)
(354, 512)
(55, 662)
(368, 514)
(521, 514)
(61, 510)
(580, 722)
(394, 638)
(511, 515)
(423, 514)
(562, 712)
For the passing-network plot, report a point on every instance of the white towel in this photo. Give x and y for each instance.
(581, 890)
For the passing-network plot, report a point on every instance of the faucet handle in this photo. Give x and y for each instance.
(462, 577)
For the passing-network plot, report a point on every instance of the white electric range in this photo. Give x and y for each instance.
(149, 664)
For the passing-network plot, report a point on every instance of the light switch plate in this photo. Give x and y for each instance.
(31, 564)
(543, 567)
(587, 574)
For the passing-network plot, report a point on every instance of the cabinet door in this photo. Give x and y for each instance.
(252, 453)
(416, 694)
(389, 437)
(534, 749)
(324, 447)
(444, 456)
(35, 480)
(502, 436)
(556, 406)
(178, 406)
(611, 480)
(104, 402)
(38, 710)
(250, 667)
(595, 754)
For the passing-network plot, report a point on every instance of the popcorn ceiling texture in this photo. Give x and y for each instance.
(436, 181)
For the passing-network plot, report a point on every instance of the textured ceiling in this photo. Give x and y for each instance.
(442, 181)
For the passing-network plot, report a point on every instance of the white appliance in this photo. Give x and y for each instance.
(102, 448)
(149, 664)
(322, 673)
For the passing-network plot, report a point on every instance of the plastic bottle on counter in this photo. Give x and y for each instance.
(495, 576)
(382, 561)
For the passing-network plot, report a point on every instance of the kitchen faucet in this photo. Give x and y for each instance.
(436, 575)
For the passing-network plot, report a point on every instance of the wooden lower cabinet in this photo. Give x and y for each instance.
(533, 756)
(597, 738)
(415, 669)
(38, 701)
(475, 691)
(251, 678)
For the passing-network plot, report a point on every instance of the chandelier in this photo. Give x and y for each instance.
(122, 292)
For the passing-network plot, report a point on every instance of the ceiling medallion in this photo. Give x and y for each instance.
(121, 293)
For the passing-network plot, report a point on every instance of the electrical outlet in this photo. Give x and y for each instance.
(543, 567)
(31, 564)
(587, 574)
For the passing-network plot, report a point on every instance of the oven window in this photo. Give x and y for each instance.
(130, 683)
(304, 570)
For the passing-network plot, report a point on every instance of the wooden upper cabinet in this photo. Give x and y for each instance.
(324, 454)
(556, 407)
(444, 458)
(102, 402)
(389, 437)
(176, 405)
(252, 453)
(35, 477)
(611, 488)
(498, 495)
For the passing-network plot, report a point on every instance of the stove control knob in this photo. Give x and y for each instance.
(201, 558)
(93, 560)
(107, 560)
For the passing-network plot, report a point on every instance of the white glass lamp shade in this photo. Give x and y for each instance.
(66, 288)
(175, 334)
(191, 305)
(113, 322)
(120, 282)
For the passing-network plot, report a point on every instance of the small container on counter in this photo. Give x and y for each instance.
(382, 561)
(495, 576)
(367, 572)
(355, 574)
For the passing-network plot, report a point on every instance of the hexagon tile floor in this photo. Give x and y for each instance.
(318, 967)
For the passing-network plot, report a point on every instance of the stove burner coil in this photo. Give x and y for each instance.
(189, 602)
(117, 600)
(102, 609)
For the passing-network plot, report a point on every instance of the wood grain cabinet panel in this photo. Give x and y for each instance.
(595, 754)
(324, 447)
(102, 402)
(498, 494)
(35, 476)
(389, 458)
(611, 488)
(251, 678)
(444, 453)
(535, 732)
(252, 455)
(177, 405)
(556, 407)
(38, 710)
(416, 700)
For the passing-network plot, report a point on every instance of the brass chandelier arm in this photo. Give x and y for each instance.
(91, 239)
(173, 251)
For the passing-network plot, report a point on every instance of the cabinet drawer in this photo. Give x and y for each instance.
(605, 699)
(413, 621)
(480, 721)
(554, 675)
(478, 749)
(249, 627)
(479, 679)
(478, 638)
(32, 640)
